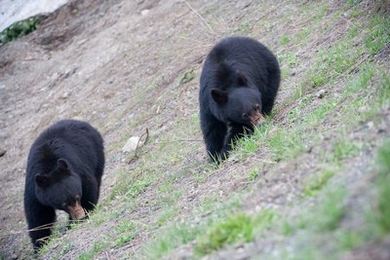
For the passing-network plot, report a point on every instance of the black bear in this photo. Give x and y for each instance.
(64, 171)
(238, 86)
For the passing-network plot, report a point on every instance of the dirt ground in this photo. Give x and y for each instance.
(117, 64)
(90, 60)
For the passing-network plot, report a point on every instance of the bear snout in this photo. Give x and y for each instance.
(256, 118)
(76, 211)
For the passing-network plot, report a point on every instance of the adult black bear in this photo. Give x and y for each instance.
(238, 85)
(64, 170)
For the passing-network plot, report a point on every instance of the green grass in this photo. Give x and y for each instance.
(343, 149)
(188, 76)
(285, 144)
(253, 174)
(19, 29)
(98, 247)
(384, 188)
(290, 59)
(327, 215)
(379, 33)
(173, 236)
(333, 62)
(284, 40)
(125, 231)
(237, 228)
(316, 183)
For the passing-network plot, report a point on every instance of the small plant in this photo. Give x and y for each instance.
(284, 40)
(98, 247)
(344, 149)
(317, 183)
(19, 29)
(187, 77)
(379, 34)
(384, 187)
(253, 174)
(237, 228)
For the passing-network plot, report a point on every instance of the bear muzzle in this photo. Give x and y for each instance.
(256, 118)
(76, 211)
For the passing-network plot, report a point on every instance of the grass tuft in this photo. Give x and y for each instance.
(384, 187)
(316, 183)
(379, 34)
(18, 29)
(238, 228)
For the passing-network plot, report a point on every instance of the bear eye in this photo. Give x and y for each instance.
(257, 107)
(63, 205)
(244, 115)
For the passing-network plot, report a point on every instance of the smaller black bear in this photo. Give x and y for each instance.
(238, 85)
(64, 171)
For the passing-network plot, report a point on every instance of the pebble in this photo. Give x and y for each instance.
(131, 144)
(321, 93)
(145, 12)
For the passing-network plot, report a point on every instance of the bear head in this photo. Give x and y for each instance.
(239, 103)
(61, 188)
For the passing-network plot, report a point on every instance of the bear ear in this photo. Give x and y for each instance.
(219, 96)
(42, 180)
(241, 79)
(62, 165)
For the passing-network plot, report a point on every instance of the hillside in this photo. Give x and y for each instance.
(313, 182)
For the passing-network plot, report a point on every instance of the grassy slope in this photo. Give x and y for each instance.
(305, 185)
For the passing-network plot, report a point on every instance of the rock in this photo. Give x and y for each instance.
(65, 95)
(320, 94)
(145, 12)
(131, 144)
(370, 125)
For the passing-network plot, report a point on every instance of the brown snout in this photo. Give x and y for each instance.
(76, 211)
(256, 118)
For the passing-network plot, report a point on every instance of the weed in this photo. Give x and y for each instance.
(284, 40)
(98, 247)
(237, 228)
(19, 29)
(173, 236)
(316, 183)
(125, 232)
(343, 149)
(285, 144)
(187, 77)
(379, 34)
(289, 58)
(353, 2)
(330, 212)
(384, 187)
(253, 174)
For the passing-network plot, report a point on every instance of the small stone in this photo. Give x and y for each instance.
(370, 125)
(320, 94)
(131, 144)
(145, 12)
(65, 95)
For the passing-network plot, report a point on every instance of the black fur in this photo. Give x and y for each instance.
(65, 161)
(240, 77)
